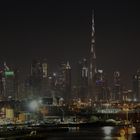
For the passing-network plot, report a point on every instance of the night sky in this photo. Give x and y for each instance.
(61, 31)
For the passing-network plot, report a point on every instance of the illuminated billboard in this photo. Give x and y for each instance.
(9, 73)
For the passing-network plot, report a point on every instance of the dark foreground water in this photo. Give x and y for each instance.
(96, 133)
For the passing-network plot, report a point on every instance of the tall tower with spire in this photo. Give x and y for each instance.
(92, 63)
(68, 81)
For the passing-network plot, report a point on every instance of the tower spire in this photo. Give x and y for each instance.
(93, 69)
(93, 37)
(93, 30)
(92, 63)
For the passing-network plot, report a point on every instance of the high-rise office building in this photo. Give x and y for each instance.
(85, 70)
(117, 93)
(68, 80)
(102, 88)
(45, 78)
(63, 81)
(82, 83)
(2, 79)
(100, 85)
(36, 77)
(16, 84)
(136, 86)
(45, 69)
(9, 83)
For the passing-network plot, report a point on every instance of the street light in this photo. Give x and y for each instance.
(62, 119)
(33, 105)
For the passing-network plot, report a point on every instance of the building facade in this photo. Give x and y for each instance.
(136, 86)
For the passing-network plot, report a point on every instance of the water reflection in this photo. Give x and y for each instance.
(107, 130)
(122, 135)
(96, 133)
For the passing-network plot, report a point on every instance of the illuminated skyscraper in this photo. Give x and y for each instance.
(44, 78)
(136, 86)
(82, 83)
(16, 84)
(84, 70)
(45, 69)
(68, 80)
(101, 85)
(36, 77)
(63, 81)
(2, 81)
(9, 83)
(92, 64)
(117, 86)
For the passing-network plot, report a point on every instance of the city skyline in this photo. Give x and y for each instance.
(39, 30)
(69, 70)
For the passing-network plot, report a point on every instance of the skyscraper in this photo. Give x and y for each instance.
(116, 86)
(9, 83)
(63, 81)
(84, 69)
(82, 82)
(36, 77)
(16, 84)
(92, 64)
(68, 81)
(44, 78)
(136, 86)
(101, 86)
(45, 69)
(2, 82)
